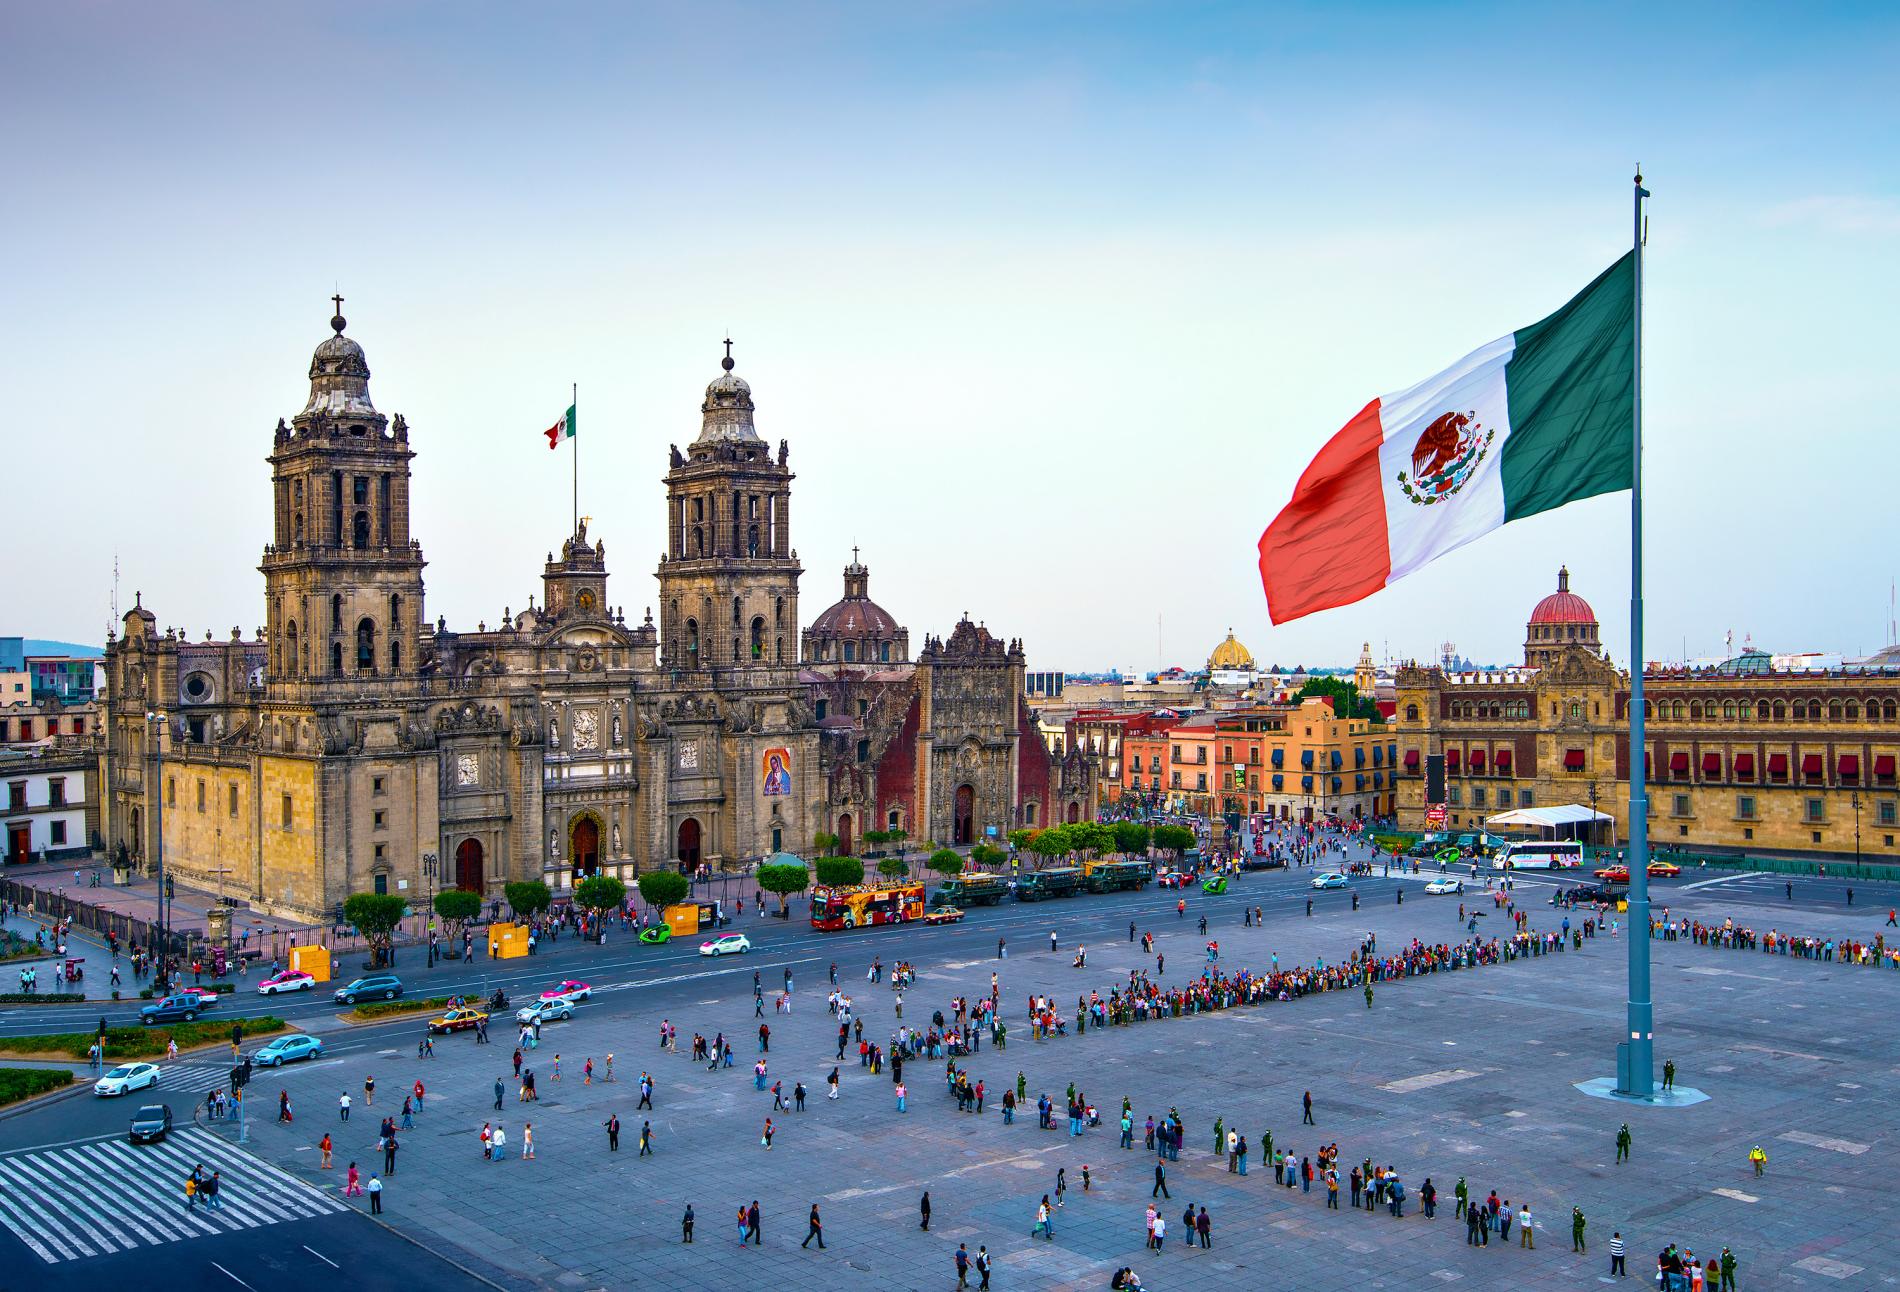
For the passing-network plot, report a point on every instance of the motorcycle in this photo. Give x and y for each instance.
(498, 1002)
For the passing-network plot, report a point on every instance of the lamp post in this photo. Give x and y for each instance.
(155, 729)
(428, 869)
(1595, 831)
(1854, 800)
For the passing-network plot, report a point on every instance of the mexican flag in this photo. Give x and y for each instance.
(1532, 421)
(561, 430)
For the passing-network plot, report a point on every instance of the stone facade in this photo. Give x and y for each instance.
(349, 740)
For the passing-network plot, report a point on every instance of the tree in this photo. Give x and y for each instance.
(600, 894)
(527, 897)
(840, 872)
(1020, 838)
(662, 888)
(1050, 843)
(782, 879)
(1130, 837)
(458, 905)
(877, 838)
(893, 866)
(1176, 839)
(822, 843)
(986, 855)
(375, 916)
(946, 862)
(1347, 702)
(1090, 836)
(897, 836)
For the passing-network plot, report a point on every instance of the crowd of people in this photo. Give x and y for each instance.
(1728, 935)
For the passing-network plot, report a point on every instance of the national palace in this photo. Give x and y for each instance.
(350, 744)
(1739, 757)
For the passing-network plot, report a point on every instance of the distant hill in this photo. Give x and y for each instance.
(39, 646)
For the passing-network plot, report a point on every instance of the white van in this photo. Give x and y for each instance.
(1539, 854)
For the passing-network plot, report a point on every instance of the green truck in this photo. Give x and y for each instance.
(1057, 881)
(1115, 876)
(976, 888)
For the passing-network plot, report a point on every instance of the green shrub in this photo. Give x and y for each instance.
(23, 1083)
(382, 1008)
(42, 998)
(138, 1042)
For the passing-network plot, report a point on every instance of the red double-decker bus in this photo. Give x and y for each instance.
(850, 908)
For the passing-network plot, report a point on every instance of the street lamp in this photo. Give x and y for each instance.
(1854, 799)
(428, 869)
(155, 729)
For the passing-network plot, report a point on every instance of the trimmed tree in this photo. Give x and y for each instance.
(1176, 839)
(1130, 837)
(1090, 836)
(527, 898)
(1020, 838)
(877, 838)
(893, 867)
(822, 843)
(946, 862)
(458, 905)
(376, 916)
(782, 879)
(986, 855)
(840, 872)
(1050, 843)
(662, 888)
(600, 894)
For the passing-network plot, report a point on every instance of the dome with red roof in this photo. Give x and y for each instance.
(1563, 606)
(1561, 619)
(856, 629)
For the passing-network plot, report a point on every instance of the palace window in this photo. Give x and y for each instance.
(1523, 798)
(1887, 810)
(286, 814)
(1680, 805)
(1816, 809)
(1745, 807)
(201, 794)
(57, 830)
(1477, 796)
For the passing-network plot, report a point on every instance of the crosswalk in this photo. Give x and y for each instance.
(110, 1196)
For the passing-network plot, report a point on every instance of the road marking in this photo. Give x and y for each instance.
(320, 1256)
(1719, 879)
(234, 1278)
(1736, 1194)
(1828, 1266)
(1426, 1080)
(1829, 1142)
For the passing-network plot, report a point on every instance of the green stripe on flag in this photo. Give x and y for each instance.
(1572, 392)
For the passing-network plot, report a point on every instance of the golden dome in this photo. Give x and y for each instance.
(1230, 654)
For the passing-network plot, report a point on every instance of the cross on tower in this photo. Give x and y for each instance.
(339, 303)
(728, 347)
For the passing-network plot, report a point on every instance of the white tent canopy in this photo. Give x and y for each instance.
(1564, 817)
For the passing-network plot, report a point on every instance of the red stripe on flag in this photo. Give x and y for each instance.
(1328, 545)
(554, 433)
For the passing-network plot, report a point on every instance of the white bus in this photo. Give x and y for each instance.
(1539, 854)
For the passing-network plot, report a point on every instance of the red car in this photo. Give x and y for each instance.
(1656, 870)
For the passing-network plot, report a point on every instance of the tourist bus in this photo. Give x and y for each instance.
(1539, 854)
(851, 908)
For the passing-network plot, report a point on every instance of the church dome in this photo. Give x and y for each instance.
(726, 414)
(855, 629)
(1563, 606)
(339, 377)
(1231, 655)
(854, 617)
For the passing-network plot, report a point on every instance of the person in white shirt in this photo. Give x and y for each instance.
(1525, 1232)
(1161, 1232)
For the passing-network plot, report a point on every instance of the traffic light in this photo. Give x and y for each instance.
(240, 1074)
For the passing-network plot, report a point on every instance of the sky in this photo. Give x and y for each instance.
(1053, 302)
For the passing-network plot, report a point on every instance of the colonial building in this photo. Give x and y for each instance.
(351, 745)
(1739, 757)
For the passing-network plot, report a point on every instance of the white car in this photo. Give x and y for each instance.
(726, 944)
(288, 980)
(545, 1011)
(1445, 884)
(126, 1078)
(1332, 879)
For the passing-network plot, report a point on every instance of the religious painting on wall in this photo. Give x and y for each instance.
(777, 767)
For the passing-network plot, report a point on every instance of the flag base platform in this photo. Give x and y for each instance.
(1677, 1097)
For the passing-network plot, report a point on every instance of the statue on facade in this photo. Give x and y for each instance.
(616, 838)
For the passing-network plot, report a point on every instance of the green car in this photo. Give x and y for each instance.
(1218, 884)
(653, 935)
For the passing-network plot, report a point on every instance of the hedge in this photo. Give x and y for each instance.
(42, 998)
(23, 1083)
(138, 1042)
(382, 1008)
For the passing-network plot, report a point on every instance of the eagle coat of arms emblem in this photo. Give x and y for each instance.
(1448, 451)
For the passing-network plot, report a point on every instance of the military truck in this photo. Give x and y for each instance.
(972, 888)
(1057, 881)
(1115, 876)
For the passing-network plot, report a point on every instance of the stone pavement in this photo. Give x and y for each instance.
(1464, 1073)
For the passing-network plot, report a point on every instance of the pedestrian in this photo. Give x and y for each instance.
(1161, 1183)
(1576, 1230)
(325, 1145)
(375, 1196)
(1204, 1227)
(1526, 1232)
(1727, 1267)
(1617, 1253)
(646, 1139)
(752, 1223)
(686, 1225)
(765, 1137)
(343, 1106)
(832, 1082)
(744, 1229)
(527, 1141)
(613, 1132)
(352, 1189)
(1669, 1074)
(497, 1094)
(923, 1208)
(1046, 1220)
(369, 1092)
(389, 1154)
(498, 1141)
(1758, 1160)
(1623, 1143)
(1306, 1105)
(814, 1228)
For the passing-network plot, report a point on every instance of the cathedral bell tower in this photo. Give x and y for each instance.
(342, 577)
(729, 578)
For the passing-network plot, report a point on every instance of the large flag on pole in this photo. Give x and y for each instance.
(1532, 421)
(561, 430)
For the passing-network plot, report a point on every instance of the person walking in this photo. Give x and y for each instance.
(498, 1092)
(343, 1106)
(375, 1195)
(686, 1225)
(325, 1146)
(613, 1132)
(1161, 1183)
(1046, 1221)
(766, 1137)
(1623, 1144)
(646, 1139)
(527, 1141)
(752, 1223)
(1758, 1160)
(1306, 1106)
(814, 1228)
(369, 1092)
(351, 1186)
(982, 1267)
(963, 1265)
(646, 1093)
(923, 1208)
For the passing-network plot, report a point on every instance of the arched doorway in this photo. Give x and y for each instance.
(1075, 813)
(468, 866)
(963, 820)
(844, 834)
(689, 845)
(583, 846)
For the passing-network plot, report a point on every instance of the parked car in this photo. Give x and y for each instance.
(1332, 879)
(376, 986)
(726, 944)
(151, 1123)
(545, 1011)
(126, 1078)
(183, 1007)
(288, 980)
(280, 1050)
(1445, 884)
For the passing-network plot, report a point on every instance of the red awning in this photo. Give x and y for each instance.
(1451, 757)
(1711, 764)
(1811, 764)
(1777, 764)
(1679, 762)
(1504, 760)
(1883, 766)
(1477, 760)
(1744, 766)
(1573, 760)
(1848, 765)
(1411, 758)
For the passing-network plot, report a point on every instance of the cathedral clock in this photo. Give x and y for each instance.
(586, 600)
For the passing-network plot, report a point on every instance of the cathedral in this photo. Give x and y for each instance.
(351, 745)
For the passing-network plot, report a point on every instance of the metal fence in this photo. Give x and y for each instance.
(129, 929)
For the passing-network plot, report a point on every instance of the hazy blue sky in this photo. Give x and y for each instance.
(1053, 302)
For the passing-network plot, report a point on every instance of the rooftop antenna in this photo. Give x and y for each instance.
(115, 591)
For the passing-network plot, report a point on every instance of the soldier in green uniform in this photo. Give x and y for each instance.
(1576, 1230)
(1623, 1143)
(1728, 1270)
(1220, 1137)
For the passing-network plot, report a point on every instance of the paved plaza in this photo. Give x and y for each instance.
(1454, 1074)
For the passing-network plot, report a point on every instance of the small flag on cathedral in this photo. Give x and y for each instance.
(561, 430)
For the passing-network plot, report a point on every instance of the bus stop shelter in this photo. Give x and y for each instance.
(1562, 821)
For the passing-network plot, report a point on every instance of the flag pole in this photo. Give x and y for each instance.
(574, 405)
(1636, 1072)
